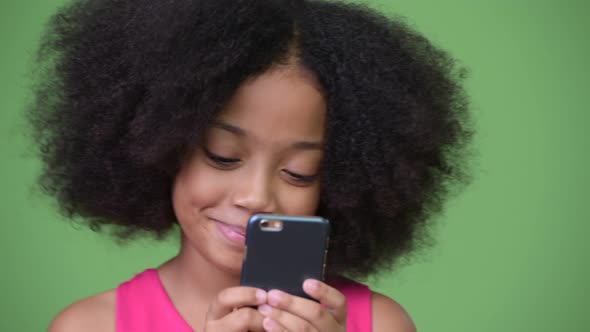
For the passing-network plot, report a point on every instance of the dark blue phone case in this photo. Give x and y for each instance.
(284, 259)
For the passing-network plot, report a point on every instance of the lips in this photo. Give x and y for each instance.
(236, 235)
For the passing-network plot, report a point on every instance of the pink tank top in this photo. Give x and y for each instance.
(142, 305)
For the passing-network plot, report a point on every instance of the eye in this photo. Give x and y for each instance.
(301, 179)
(220, 161)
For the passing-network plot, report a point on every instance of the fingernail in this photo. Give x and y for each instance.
(311, 285)
(264, 309)
(260, 296)
(274, 297)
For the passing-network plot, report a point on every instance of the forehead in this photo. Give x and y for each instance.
(284, 103)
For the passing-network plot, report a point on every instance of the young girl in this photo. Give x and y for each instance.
(197, 114)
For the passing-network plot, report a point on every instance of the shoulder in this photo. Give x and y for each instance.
(388, 316)
(94, 313)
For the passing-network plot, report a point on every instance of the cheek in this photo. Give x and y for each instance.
(299, 201)
(194, 190)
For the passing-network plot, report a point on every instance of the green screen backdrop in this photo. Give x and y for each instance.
(512, 252)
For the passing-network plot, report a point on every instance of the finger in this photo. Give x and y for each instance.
(314, 313)
(234, 297)
(240, 320)
(329, 296)
(279, 320)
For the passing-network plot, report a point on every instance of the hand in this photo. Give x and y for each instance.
(231, 311)
(286, 312)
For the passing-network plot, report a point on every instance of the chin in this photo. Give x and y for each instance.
(229, 261)
(234, 270)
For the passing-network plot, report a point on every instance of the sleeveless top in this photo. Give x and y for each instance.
(142, 305)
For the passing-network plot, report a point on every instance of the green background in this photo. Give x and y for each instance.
(512, 253)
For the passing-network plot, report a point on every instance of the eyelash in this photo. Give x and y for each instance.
(219, 160)
(226, 163)
(305, 179)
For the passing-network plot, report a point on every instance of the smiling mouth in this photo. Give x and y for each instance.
(234, 234)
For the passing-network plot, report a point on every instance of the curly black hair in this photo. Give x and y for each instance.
(126, 90)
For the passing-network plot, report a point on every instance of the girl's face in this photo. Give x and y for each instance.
(262, 155)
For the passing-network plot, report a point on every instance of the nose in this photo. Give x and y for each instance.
(255, 193)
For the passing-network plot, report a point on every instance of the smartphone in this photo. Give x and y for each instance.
(283, 251)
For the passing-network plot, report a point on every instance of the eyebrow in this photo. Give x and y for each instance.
(304, 145)
(227, 127)
(300, 145)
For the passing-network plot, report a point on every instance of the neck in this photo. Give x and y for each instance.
(191, 281)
